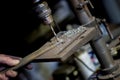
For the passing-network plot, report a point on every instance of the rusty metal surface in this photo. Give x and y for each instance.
(66, 49)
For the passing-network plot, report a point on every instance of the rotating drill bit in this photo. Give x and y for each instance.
(44, 12)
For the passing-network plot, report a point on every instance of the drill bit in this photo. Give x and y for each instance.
(54, 32)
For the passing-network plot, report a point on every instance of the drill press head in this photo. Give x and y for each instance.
(44, 12)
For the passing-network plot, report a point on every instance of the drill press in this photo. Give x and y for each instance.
(109, 68)
(44, 13)
(63, 51)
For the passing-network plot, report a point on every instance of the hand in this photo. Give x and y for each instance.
(10, 61)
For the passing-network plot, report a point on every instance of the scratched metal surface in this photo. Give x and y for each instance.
(70, 44)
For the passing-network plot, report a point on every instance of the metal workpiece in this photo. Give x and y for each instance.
(74, 40)
(81, 12)
(102, 52)
(58, 51)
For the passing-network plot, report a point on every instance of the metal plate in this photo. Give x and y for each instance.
(64, 50)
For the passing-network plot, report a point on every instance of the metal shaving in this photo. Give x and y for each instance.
(73, 32)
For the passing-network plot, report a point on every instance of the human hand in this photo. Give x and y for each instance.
(10, 61)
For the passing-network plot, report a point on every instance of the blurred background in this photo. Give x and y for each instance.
(22, 32)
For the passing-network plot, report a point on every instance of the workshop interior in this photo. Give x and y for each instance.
(63, 39)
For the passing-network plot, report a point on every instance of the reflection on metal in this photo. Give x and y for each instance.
(70, 44)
